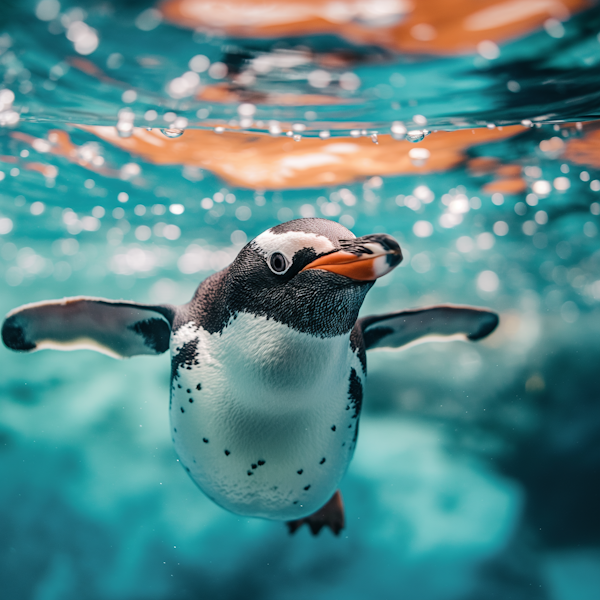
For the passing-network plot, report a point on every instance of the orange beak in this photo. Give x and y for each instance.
(361, 259)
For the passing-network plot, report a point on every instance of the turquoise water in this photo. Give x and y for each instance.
(476, 471)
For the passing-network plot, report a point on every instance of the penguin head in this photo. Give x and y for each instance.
(309, 274)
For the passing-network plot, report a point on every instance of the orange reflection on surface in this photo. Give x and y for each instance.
(509, 186)
(226, 93)
(61, 145)
(585, 150)
(426, 26)
(508, 177)
(509, 181)
(46, 170)
(262, 161)
(89, 68)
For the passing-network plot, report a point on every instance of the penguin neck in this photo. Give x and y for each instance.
(322, 305)
(277, 368)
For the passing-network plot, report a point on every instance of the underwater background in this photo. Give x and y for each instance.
(143, 144)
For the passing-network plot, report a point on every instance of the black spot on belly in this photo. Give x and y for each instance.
(199, 387)
(185, 357)
(254, 465)
(227, 453)
(295, 502)
(179, 386)
(322, 461)
(333, 428)
(181, 408)
(187, 469)
(249, 472)
(189, 391)
(205, 440)
(306, 488)
(175, 430)
(261, 463)
(191, 400)
(300, 471)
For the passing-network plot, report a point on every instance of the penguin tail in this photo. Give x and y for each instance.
(330, 515)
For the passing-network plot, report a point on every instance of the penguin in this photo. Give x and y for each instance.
(268, 362)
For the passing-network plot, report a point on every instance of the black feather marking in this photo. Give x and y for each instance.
(186, 357)
(13, 335)
(355, 393)
(488, 322)
(156, 333)
(374, 334)
(357, 345)
(355, 396)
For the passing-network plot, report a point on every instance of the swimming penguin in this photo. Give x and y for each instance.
(268, 362)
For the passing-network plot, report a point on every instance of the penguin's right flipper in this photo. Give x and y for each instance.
(330, 515)
(444, 322)
(117, 328)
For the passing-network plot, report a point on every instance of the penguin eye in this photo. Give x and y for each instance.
(278, 263)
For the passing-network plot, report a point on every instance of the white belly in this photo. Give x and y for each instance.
(272, 429)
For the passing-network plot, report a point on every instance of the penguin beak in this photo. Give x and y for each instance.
(362, 259)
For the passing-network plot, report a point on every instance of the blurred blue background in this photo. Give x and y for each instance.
(142, 145)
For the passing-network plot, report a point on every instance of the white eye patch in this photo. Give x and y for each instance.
(290, 242)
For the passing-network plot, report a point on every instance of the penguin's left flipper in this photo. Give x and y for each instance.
(437, 323)
(114, 327)
(330, 515)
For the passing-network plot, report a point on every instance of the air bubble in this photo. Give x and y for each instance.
(172, 133)
(417, 135)
(274, 127)
(124, 129)
(398, 130)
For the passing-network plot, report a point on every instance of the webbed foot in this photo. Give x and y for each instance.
(330, 515)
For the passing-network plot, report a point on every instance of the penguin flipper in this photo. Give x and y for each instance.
(437, 323)
(114, 327)
(330, 515)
